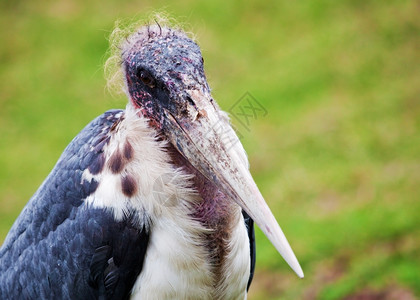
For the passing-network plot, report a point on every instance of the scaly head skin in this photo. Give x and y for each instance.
(165, 80)
(160, 68)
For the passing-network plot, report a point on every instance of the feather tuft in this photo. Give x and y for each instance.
(125, 34)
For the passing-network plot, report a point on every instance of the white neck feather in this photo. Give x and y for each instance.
(177, 265)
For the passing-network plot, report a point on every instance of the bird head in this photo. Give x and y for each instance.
(165, 81)
(163, 68)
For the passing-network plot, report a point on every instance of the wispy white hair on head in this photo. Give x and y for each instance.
(124, 35)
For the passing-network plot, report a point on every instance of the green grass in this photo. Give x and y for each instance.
(336, 156)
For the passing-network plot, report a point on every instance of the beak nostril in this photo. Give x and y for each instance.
(190, 101)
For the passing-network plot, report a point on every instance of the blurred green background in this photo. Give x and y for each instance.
(337, 155)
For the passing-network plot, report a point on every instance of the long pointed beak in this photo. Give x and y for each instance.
(206, 139)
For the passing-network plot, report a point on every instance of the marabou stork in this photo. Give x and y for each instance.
(150, 202)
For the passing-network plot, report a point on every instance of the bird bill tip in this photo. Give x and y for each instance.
(225, 164)
(300, 273)
(296, 268)
(279, 241)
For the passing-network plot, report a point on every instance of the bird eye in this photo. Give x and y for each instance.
(146, 78)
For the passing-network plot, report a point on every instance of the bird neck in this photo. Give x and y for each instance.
(215, 211)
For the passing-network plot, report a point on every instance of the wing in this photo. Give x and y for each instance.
(61, 248)
(251, 235)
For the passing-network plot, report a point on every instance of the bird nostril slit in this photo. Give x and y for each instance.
(190, 101)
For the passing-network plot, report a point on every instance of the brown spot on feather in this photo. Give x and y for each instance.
(128, 151)
(116, 163)
(128, 185)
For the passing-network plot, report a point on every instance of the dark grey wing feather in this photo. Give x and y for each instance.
(60, 248)
(251, 235)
